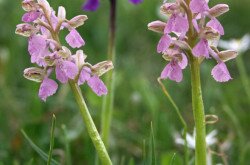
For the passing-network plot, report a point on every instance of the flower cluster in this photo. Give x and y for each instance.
(42, 26)
(192, 31)
(92, 5)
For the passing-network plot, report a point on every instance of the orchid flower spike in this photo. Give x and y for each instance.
(42, 26)
(173, 44)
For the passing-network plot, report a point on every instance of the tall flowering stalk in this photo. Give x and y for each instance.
(108, 101)
(42, 27)
(191, 35)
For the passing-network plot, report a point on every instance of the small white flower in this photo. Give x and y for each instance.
(239, 45)
(210, 139)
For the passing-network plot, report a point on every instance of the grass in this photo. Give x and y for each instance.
(139, 99)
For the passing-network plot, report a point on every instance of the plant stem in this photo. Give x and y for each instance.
(91, 128)
(199, 115)
(107, 106)
(243, 75)
(183, 122)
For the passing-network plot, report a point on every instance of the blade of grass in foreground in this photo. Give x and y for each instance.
(40, 152)
(67, 145)
(144, 157)
(148, 154)
(52, 137)
(152, 147)
(173, 159)
(131, 162)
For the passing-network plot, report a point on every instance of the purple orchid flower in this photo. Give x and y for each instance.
(42, 26)
(173, 43)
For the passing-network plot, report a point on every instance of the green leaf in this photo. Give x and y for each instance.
(43, 155)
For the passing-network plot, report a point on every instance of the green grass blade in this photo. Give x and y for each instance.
(67, 146)
(40, 152)
(184, 124)
(144, 156)
(52, 137)
(131, 161)
(172, 159)
(152, 146)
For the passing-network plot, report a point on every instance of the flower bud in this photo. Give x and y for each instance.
(45, 4)
(169, 8)
(79, 58)
(77, 21)
(61, 13)
(34, 74)
(25, 29)
(227, 55)
(29, 5)
(157, 26)
(102, 67)
(218, 10)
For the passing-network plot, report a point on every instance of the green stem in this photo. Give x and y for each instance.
(107, 106)
(199, 115)
(91, 128)
(183, 122)
(243, 75)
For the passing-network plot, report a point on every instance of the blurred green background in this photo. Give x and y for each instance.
(138, 97)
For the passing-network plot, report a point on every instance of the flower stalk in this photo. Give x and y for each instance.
(108, 100)
(91, 128)
(198, 111)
